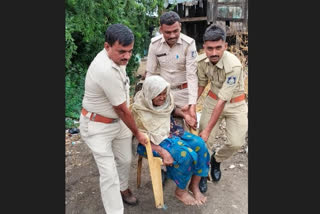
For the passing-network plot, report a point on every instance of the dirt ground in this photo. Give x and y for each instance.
(82, 193)
(228, 196)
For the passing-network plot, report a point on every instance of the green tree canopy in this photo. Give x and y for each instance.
(85, 24)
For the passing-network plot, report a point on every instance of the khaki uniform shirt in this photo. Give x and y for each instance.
(177, 65)
(106, 85)
(226, 77)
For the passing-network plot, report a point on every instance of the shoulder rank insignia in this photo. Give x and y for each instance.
(201, 57)
(193, 54)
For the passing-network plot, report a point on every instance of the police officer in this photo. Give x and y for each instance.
(172, 55)
(105, 120)
(225, 100)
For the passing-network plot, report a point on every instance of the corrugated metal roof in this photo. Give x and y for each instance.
(179, 1)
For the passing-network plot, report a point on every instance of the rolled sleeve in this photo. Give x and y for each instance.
(152, 61)
(229, 85)
(191, 69)
(202, 77)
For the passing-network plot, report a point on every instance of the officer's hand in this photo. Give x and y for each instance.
(190, 121)
(204, 135)
(192, 111)
(185, 108)
(142, 138)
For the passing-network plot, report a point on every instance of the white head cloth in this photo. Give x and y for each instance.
(153, 120)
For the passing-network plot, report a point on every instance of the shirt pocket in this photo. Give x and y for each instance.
(180, 61)
(181, 66)
(163, 59)
(208, 72)
(219, 77)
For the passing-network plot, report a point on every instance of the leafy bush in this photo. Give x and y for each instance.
(69, 123)
(85, 24)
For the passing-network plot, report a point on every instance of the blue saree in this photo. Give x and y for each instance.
(190, 154)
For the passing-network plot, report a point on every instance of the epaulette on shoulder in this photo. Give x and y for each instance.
(186, 38)
(201, 57)
(233, 60)
(156, 38)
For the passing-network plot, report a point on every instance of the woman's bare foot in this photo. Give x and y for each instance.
(185, 197)
(201, 199)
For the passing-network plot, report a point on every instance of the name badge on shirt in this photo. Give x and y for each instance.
(160, 55)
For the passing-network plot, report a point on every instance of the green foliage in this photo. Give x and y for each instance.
(69, 123)
(85, 24)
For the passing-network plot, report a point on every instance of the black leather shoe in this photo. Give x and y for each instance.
(128, 197)
(203, 185)
(215, 169)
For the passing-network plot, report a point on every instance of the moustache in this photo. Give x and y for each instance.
(214, 56)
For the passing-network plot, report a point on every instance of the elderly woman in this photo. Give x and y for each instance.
(185, 155)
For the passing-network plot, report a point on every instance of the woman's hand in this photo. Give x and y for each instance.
(166, 156)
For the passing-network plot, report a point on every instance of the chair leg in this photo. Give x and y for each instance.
(155, 172)
(139, 171)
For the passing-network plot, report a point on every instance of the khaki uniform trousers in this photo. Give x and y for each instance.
(235, 115)
(111, 146)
